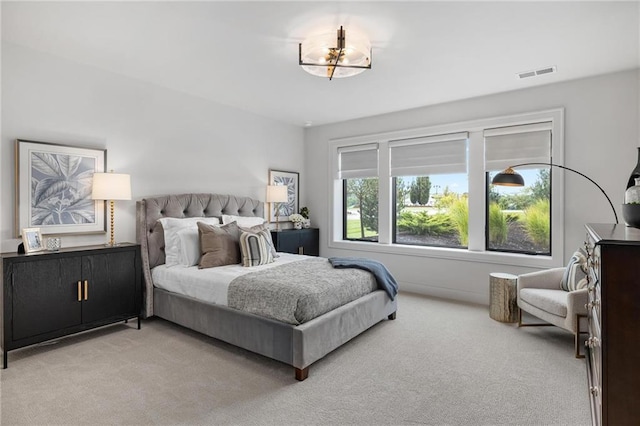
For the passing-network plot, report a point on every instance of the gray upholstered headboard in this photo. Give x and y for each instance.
(150, 235)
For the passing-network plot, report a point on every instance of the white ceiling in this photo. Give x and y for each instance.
(244, 54)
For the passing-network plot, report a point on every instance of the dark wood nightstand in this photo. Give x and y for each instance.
(297, 241)
(47, 295)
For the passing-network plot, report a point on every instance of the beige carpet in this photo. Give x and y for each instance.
(440, 362)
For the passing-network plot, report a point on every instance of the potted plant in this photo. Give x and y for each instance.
(304, 212)
(297, 220)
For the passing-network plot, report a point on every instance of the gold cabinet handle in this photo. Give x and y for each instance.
(79, 291)
(86, 289)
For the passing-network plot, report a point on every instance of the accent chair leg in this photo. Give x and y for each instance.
(302, 373)
(392, 316)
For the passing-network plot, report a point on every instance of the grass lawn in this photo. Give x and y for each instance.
(353, 229)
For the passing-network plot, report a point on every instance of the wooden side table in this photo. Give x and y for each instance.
(503, 305)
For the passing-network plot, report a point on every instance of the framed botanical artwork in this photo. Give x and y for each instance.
(53, 188)
(32, 239)
(291, 181)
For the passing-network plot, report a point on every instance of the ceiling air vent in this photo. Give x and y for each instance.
(534, 73)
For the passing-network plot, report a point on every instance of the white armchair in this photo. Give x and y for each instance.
(540, 294)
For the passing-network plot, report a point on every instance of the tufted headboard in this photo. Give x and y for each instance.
(150, 235)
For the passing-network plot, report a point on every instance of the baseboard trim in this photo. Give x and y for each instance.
(445, 293)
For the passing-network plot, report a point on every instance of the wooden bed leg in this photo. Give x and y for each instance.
(302, 374)
(392, 316)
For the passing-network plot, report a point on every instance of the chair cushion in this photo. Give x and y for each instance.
(575, 275)
(551, 301)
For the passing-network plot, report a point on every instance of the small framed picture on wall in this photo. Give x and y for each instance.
(291, 181)
(32, 239)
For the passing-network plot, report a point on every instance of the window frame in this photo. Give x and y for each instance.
(476, 251)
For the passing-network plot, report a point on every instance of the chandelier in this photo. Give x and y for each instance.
(326, 56)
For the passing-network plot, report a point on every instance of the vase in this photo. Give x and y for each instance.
(306, 223)
(632, 194)
(635, 173)
(297, 225)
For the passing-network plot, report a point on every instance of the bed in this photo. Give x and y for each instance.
(298, 345)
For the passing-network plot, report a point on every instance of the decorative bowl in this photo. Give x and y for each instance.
(631, 214)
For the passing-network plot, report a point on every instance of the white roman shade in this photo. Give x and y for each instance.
(358, 161)
(429, 155)
(509, 146)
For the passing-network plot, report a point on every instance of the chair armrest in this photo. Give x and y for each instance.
(549, 279)
(576, 301)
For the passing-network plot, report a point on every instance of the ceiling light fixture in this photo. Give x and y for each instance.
(325, 56)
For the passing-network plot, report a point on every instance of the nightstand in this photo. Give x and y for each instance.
(297, 241)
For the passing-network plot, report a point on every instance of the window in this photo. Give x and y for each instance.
(518, 219)
(358, 169)
(431, 190)
(427, 191)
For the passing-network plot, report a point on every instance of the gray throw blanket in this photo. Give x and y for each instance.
(383, 276)
(299, 291)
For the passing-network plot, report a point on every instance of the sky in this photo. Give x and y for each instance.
(459, 183)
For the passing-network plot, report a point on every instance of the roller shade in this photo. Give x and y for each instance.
(358, 161)
(513, 145)
(429, 155)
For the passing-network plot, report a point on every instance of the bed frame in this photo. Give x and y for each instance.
(296, 345)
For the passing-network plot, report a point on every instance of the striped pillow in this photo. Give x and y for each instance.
(575, 275)
(266, 233)
(255, 249)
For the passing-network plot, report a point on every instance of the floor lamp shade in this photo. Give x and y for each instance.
(110, 187)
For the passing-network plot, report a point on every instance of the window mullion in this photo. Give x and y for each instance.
(385, 199)
(477, 198)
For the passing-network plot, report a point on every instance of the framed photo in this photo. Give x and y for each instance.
(290, 179)
(32, 239)
(53, 188)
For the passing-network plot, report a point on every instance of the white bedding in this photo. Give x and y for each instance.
(210, 284)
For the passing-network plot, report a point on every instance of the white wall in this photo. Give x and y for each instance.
(168, 141)
(601, 136)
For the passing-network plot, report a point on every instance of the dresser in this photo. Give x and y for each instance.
(613, 345)
(297, 241)
(47, 295)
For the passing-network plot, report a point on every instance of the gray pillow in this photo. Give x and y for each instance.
(218, 245)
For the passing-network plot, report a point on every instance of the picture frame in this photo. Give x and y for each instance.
(292, 182)
(32, 239)
(53, 188)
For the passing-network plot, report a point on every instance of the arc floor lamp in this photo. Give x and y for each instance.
(509, 177)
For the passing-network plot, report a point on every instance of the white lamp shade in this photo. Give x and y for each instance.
(277, 194)
(111, 186)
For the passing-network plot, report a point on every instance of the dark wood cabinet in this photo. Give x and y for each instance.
(613, 345)
(297, 241)
(47, 295)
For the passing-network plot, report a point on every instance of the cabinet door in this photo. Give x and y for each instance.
(288, 242)
(111, 285)
(45, 296)
(309, 241)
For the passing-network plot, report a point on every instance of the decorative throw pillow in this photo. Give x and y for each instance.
(171, 226)
(266, 233)
(575, 275)
(255, 249)
(243, 221)
(218, 245)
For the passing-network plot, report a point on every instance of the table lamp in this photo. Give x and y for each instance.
(109, 187)
(277, 194)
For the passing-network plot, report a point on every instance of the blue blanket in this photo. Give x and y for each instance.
(383, 276)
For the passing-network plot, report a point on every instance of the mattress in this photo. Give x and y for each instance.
(211, 284)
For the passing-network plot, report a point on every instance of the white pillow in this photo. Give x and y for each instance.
(243, 221)
(189, 246)
(171, 226)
